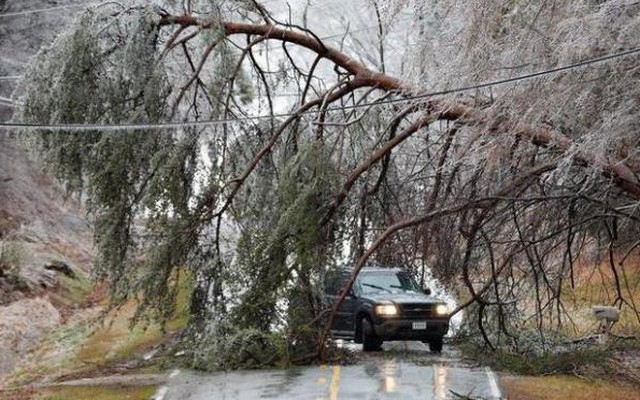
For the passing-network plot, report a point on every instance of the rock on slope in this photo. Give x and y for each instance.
(36, 219)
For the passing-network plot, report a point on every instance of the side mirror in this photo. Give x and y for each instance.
(351, 293)
(427, 291)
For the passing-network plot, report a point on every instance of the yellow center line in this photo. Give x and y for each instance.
(334, 389)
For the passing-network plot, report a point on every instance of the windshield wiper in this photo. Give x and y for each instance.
(402, 287)
(377, 287)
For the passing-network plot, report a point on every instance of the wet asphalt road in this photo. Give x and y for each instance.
(404, 370)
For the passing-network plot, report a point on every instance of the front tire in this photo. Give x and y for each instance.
(370, 341)
(435, 345)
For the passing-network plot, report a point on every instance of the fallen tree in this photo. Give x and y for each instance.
(493, 191)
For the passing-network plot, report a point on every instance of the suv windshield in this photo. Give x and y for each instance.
(387, 281)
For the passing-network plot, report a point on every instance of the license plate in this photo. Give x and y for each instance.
(420, 325)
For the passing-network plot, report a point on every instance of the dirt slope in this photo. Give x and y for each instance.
(38, 226)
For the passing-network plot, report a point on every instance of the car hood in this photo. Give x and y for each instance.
(401, 297)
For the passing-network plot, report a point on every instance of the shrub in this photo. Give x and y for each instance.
(229, 348)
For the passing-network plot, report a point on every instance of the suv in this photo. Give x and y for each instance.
(386, 304)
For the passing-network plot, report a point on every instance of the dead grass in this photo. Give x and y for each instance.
(98, 343)
(563, 388)
(595, 285)
(82, 392)
(116, 339)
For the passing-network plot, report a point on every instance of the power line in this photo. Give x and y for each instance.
(174, 125)
(40, 10)
(498, 82)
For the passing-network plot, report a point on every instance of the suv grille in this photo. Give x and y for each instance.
(417, 310)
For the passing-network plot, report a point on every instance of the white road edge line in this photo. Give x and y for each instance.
(163, 390)
(493, 383)
(159, 395)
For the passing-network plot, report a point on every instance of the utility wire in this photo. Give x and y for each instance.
(510, 80)
(40, 10)
(174, 125)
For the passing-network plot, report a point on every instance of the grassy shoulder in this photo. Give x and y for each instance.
(596, 284)
(562, 387)
(95, 342)
(608, 371)
(84, 392)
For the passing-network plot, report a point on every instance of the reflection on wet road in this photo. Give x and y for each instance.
(402, 371)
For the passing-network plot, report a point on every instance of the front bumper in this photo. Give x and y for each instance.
(410, 329)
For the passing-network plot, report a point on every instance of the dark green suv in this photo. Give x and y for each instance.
(386, 304)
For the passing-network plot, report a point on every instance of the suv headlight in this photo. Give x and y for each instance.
(386, 309)
(442, 309)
